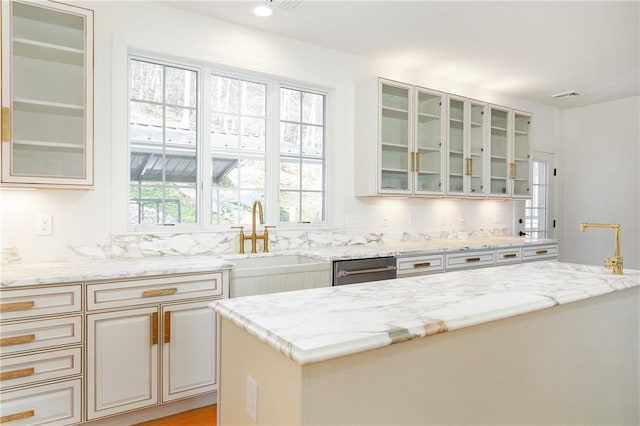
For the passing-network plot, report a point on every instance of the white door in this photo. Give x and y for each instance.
(122, 361)
(538, 221)
(189, 350)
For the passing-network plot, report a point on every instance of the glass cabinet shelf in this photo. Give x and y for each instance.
(47, 51)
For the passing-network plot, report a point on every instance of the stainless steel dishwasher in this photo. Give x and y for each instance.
(364, 270)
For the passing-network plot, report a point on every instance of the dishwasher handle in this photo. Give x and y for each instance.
(366, 271)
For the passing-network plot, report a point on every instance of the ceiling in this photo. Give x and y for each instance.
(526, 49)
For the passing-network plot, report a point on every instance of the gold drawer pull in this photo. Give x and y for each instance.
(17, 306)
(16, 374)
(473, 259)
(17, 416)
(160, 292)
(17, 340)
(542, 251)
(508, 255)
(422, 265)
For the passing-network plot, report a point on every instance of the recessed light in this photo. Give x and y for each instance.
(569, 94)
(263, 10)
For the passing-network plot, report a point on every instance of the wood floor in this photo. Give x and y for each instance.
(205, 416)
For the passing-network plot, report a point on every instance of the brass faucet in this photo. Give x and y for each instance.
(254, 237)
(615, 262)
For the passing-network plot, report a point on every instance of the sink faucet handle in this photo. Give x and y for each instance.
(237, 227)
(240, 238)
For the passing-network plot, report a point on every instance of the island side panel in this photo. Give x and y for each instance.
(571, 364)
(279, 380)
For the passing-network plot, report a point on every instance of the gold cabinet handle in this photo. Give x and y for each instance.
(160, 292)
(17, 340)
(509, 255)
(413, 162)
(6, 124)
(422, 265)
(469, 165)
(154, 328)
(512, 170)
(16, 374)
(167, 327)
(542, 251)
(17, 306)
(417, 162)
(17, 416)
(472, 259)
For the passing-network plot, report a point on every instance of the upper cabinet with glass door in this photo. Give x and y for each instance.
(521, 158)
(47, 94)
(428, 153)
(499, 141)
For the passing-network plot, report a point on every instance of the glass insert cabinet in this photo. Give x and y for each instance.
(47, 94)
(431, 143)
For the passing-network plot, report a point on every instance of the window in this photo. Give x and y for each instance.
(163, 135)
(265, 141)
(302, 135)
(537, 209)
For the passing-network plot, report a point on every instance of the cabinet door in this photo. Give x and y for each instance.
(394, 132)
(456, 146)
(122, 361)
(499, 182)
(521, 167)
(189, 350)
(429, 154)
(475, 160)
(47, 104)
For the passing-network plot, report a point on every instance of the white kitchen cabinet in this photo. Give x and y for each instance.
(419, 265)
(151, 341)
(47, 94)
(541, 252)
(400, 147)
(470, 259)
(521, 165)
(499, 152)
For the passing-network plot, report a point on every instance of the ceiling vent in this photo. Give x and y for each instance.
(563, 95)
(285, 4)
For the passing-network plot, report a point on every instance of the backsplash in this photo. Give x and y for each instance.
(127, 246)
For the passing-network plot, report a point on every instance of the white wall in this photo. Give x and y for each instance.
(601, 180)
(91, 217)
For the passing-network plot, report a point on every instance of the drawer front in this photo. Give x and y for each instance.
(153, 290)
(510, 255)
(472, 259)
(26, 369)
(57, 404)
(18, 304)
(418, 265)
(549, 251)
(40, 334)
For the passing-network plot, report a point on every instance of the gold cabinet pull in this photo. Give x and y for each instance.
(413, 162)
(6, 124)
(469, 164)
(17, 340)
(167, 327)
(17, 306)
(542, 251)
(512, 170)
(160, 292)
(17, 416)
(422, 265)
(417, 162)
(472, 259)
(16, 374)
(154, 328)
(509, 255)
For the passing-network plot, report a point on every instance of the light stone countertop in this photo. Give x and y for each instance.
(90, 270)
(319, 324)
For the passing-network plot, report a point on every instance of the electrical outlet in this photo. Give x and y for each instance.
(44, 224)
(252, 399)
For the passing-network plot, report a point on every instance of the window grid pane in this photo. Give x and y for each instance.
(163, 136)
(238, 148)
(302, 160)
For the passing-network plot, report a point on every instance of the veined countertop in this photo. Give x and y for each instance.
(315, 325)
(63, 272)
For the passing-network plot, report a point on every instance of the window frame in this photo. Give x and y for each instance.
(204, 151)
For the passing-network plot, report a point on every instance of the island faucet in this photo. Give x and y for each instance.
(254, 237)
(615, 262)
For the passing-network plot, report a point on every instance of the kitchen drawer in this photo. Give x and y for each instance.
(51, 365)
(40, 334)
(419, 265)
(57, 404)
(25, 303)
(470, 259)
(153, 290)
(508, 255)
(549, 251)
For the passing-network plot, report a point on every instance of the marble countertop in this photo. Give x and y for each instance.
(62, 272)
(315, 325)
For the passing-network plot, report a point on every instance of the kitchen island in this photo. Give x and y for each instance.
(536, 343)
